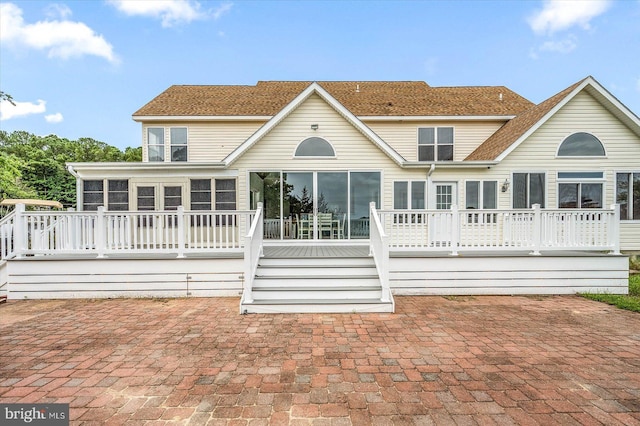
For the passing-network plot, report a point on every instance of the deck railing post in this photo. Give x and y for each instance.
(537, 229)
(181, 228)
(101, 230)
(20, 232)
(614, 229)
(455, 229)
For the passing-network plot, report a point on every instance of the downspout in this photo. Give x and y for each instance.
(79, 200)
(429, 173)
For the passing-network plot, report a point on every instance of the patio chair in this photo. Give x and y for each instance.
(338, 230)
(304, 227)
(325, 221)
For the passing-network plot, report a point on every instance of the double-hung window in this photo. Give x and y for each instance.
(528, 189)
(178, 143)
(580, 190)
(155, 144)
(435, 144)
(628, 195)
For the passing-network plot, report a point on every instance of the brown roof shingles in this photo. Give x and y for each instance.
(508, 134)
(366, 98)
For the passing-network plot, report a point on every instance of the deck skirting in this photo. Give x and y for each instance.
(112, 278)
(559, 273)
(51, 277)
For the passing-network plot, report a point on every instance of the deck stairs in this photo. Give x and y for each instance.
(309, 280)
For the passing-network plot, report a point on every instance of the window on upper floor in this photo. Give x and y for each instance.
(580, 190)
(155, 144)
(528, 189)
(581, 144)
(435, 144)
(178, 143)
(314, 147)
(628, 195)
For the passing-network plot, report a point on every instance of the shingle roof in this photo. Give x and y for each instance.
(362, 98)
(508, 134)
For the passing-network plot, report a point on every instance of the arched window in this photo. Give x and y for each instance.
(581, 144)
(314, 147)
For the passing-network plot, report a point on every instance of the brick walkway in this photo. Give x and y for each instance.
(482, 360)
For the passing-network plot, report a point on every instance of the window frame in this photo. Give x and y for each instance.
(85, 192)
(604, 149)
(436, 144)
(481, 198)
(307, 139)
(184, 145)
(111, 204)
(528, 195)
(410, 194)
(574, 178)
(214, 193)
(161, 146)
(630, 196)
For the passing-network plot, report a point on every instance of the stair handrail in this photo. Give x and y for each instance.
(253, 251)
(7, 236)
(379, 249)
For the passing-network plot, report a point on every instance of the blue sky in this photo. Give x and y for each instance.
(81, 68)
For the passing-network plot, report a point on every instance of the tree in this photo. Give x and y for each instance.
(6, 97)
(11, 185)
(38, 163)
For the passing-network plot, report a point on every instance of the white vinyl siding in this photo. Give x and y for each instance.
(401, 136)
(354, 152)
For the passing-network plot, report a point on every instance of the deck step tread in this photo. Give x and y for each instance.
(317, 277)
(316, 302)
(340, 288)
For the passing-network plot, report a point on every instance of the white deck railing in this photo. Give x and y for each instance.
(253, 251)
(103, 232)
(379, 249)
(485, 230)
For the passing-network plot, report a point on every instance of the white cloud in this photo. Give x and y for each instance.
(560, 46)
(54, 118)
(56, 10)
(21, 109)
(60, 38)
(224, 8)
(558, 15)
(170, 12)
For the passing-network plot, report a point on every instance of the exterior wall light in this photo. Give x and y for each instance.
(314, 127)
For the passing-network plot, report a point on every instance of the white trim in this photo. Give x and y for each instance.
(449, 164)
(579, 181)
(581, 157)
(171, 145)
(314, 88)
(590, 82)
(433, 199)
(315, 157)
(481, 192)
(435, 143)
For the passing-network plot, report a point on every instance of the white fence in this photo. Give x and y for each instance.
(379, 248)
(102, 233)
(484, 230)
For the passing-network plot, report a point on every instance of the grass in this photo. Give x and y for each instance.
(630, 302)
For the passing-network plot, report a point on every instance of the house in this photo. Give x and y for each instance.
(310, 193)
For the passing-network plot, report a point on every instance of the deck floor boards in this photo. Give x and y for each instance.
(315, 251)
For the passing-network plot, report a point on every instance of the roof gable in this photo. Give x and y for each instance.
(314, 88)
(518, 129)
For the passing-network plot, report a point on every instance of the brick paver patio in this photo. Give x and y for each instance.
(462, 361)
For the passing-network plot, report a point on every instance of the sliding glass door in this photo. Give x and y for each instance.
(307, 205)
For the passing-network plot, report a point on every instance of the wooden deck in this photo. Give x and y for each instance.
(328, 251)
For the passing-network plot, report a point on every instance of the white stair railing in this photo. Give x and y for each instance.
(379, 249)
(253, 251)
